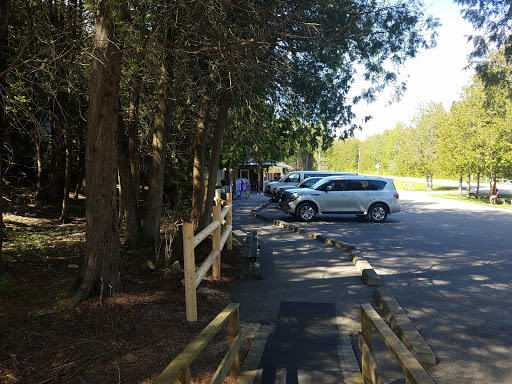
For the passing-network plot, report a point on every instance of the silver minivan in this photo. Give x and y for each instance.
(372, 196)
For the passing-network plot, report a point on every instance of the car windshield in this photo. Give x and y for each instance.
(308, 182)
(290, 178)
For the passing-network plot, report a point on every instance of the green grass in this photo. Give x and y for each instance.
(482, 200)
(28, 243)
(421, 187)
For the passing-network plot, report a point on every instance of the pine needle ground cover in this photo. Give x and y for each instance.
(128, 338)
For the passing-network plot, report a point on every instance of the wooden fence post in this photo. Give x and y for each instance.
(216, 241)
(234, 331)
(366, 329)
(185, 378)
(189, 264)
(229, 220)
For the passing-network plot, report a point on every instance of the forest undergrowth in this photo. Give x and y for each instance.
(128, 338)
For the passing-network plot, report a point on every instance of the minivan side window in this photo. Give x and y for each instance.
(365, 185)
(354, 185)
(375, 185)
(338, 185)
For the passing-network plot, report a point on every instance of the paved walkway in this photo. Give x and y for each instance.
(306, 305)
(303, 347)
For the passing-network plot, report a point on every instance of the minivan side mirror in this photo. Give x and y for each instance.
(329, 188)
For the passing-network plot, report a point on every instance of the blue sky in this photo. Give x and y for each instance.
(434, 75)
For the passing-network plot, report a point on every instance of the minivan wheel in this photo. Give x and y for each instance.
(305, 212)
(377, 213)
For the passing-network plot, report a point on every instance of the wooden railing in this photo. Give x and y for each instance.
(192, 277)
(414, 372)
(178, 371)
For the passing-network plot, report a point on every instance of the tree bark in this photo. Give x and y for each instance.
(4, 41)
(81, 166)
(198, 169)
(39, 161)
(101, 273)
(153, 209)
(477, 185)
(64, 216)
(468, 184)
(460, 185)
(129, 201)
(213, 164)
(56, 172)
(492, 181)
(133, 134)
(430, 181)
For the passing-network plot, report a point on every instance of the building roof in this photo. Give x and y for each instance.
(267, 164)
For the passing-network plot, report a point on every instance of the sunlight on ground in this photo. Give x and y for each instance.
(478, 277)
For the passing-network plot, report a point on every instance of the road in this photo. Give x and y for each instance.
(449, 265)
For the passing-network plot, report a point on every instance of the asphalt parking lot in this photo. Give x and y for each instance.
(447, 263)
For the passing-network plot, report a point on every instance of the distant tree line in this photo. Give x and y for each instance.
(473, 139)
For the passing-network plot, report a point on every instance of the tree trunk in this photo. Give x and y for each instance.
(153, 209)
(101, 272)
(64, 216)
(133, 135)
(4, 41)
(198, 169)
(81, 166)
(56, 172)
(492, 181)
(39, 161)
(128, 200)
(430, 182)
(213, 165)
(477, 185)
(468, 184)
(460, 185)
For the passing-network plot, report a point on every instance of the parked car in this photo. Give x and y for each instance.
(372, 196)
(306, 183)
(294, 178)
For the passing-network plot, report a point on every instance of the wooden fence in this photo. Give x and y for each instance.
(192, 277)
(178, 371)
(414, 372)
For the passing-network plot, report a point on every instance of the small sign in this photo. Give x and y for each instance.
(377, 166)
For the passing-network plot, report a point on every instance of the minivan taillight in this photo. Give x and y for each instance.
(396, 195)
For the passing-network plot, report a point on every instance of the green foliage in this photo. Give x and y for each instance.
(473, 138)
(494, 17)
(342, 156)
(301, 98)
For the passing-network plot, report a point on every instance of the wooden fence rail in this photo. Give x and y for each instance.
(178, 371)
(414, 372)
(194, 277)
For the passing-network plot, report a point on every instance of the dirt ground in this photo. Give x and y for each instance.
(128, 338)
